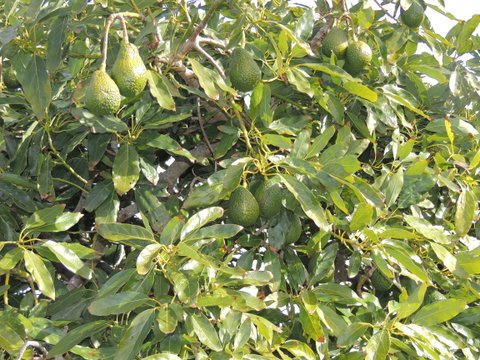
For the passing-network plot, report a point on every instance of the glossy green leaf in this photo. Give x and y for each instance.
(122, 232)
(76, 336)
(10, 259)
(199, 219)
(378, 346)
(217, 231)
(37, 87)
(119, 303)
(205, 332)
(307, 200)
(146, 257)
(412, 303)
(362, 216)
(36, 267)
(361, 90)
(352, 333)
(467, 206)
(69, 259)
(126, 169)
(404, 259)
(98, 195)
(439, 311)
(167, 320)
(432, 232)
(243, 334)
(160, 91)
(299, 349)
(166, 143)
(52, 219)
(55, 39)
(132, 340)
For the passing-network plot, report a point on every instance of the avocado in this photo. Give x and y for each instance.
(380, 282)
(269, 198)
(357, 57)
(102, 96)
(10, 77)
(243, 208)
(413, 16)
(243, 70)
(129, 71)
(336, 41)
(294, 231)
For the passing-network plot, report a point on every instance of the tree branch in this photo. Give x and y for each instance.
(190, 43)
(316, 42)
(34, 344)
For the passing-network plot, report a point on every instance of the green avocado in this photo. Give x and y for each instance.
(413, 16)
(129, 71)
(243, 70)
(294, 231)
(357, 57)
(336, 41)
(269, 198)
(102, 96)
(380, 282)
(10, 77)
(243, 208)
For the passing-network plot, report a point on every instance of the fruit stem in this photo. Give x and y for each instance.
(243, 127)
(124, 28)
(110, 20)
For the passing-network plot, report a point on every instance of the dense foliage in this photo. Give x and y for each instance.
(361, 181)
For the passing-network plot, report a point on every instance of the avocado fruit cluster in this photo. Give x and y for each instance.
(103, 94)
(243, 71)
(357, 53)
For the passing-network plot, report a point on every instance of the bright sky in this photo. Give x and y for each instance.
(461, 9)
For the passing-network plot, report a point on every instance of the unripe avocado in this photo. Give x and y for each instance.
(129, 71)
(294, 231)
(380, 282)
(243, 70)
(336, 41)
(413, 16)
(102, 96)
(243, 208)
(269, 198)
(10, 78)
(358, 55)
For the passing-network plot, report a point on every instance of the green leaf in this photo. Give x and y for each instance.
(361, 90)
(210, 80)
(243, 334)
(146, 257)
(55, 39)
(404, 98)
(167, 320)
(352, 333)
(119, 303)
(69, 259)
(362, 216)
(133, 338)
(205, 332)
(123, 232)
(126, 169)
(378, 346)
(469, 261)
(9, 339)
(331, 70)
(332, 320)
(438, 312)
(10, 259)
(35, 266)
(77, 335)
(52, 219)
(412, 303)
(217, 231)
(404, 259)
(160, 91)
(299, 349)
(200, 219)
(307, 200)
(432, 232)
(466, 210)
(162, 356)
(98, 195)
(166, 143)
(36, 86)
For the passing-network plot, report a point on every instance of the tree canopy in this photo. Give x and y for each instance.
(267, 194)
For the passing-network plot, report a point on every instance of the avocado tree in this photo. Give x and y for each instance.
(238, 180)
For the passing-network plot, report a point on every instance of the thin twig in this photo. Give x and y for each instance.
(57, 154)
(210, 41)
(34, 344)
(316, 42)
(202, 129)
(190, 43)
(385, 11)
(214, 62)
